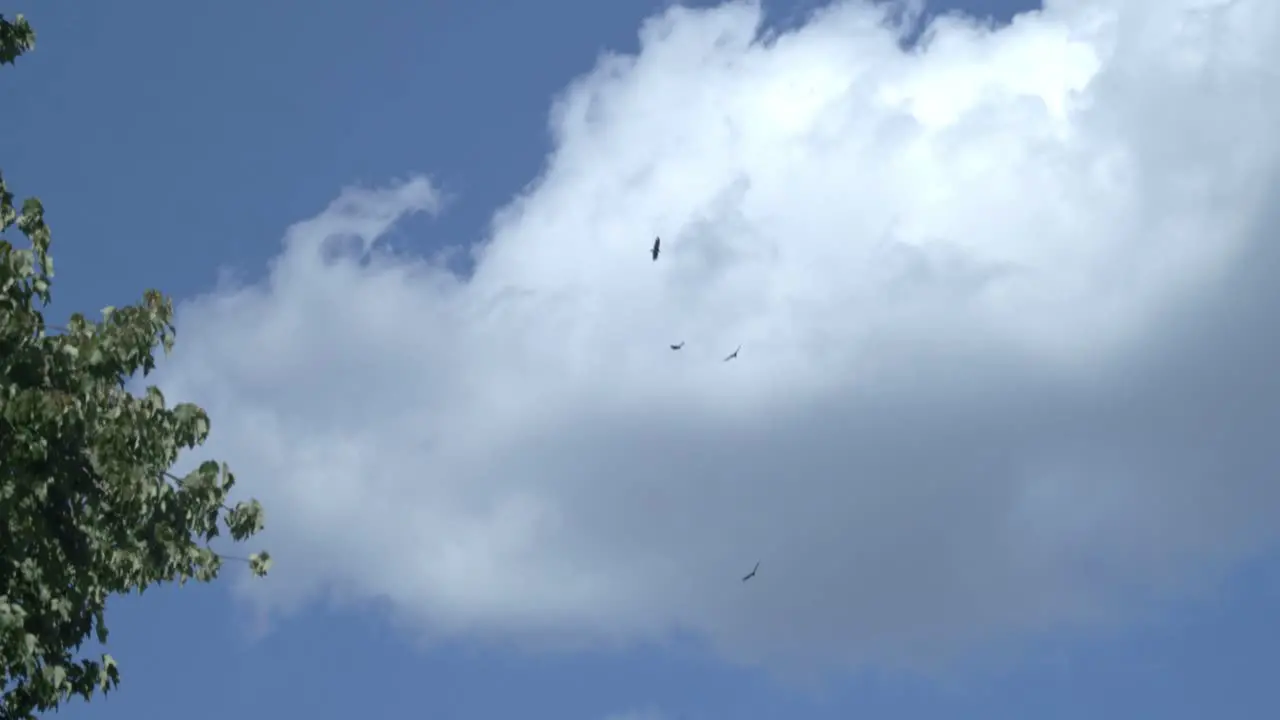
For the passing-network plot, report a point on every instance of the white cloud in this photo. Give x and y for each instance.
(1008, 326)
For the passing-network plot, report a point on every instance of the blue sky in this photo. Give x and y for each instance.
(174, 142)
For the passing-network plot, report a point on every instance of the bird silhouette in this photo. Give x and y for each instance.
(677, 347)
(751, 574)
(657, 244)
(733, 354)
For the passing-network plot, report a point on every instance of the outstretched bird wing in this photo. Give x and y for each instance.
(657, 244)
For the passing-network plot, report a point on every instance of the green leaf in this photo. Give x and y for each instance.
(245, 519)
(16, 38)
(55, 675)
(260, 563)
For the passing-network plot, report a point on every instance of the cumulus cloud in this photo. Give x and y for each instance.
(1008, 324)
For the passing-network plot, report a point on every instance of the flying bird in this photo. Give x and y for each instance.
(657, 243)
(733, 354)
(677, 347)
(751, 574)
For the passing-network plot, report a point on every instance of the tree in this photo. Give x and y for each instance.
(88, 508)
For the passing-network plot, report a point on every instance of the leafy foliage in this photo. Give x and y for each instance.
(88, 508)
(16, 38)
